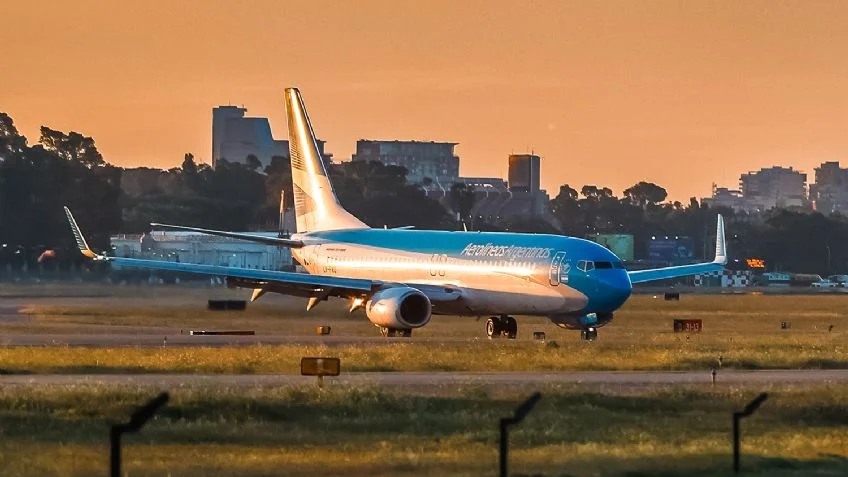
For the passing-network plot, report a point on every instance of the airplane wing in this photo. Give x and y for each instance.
(289, 283)
(280, 242)
(297, 283)
(641, 276)
(262, 281)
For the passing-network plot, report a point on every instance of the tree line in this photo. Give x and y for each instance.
(36, 180)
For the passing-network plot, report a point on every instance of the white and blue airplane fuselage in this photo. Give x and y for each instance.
(495, 273)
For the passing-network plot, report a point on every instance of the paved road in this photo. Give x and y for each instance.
(174, 339)
(623, 378)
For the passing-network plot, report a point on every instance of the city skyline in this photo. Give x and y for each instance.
(683, 95)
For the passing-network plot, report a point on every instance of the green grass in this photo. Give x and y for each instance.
(445, 431)
(426, 356)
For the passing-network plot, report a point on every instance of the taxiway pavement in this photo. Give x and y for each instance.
(185, 339)
(389, 379)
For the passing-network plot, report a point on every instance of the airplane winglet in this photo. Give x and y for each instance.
(721, 243)
(81, 243)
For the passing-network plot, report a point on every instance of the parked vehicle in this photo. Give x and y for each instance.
(825, 284)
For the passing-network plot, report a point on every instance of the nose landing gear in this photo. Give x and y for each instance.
(395, 332)
(501, 325)
(589, 334)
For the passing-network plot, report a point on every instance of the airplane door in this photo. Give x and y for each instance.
(314, 256)
(437, 264)
(556, 268)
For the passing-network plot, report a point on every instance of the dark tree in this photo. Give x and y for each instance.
(462, 200)
(566, 211)
(11, 142)
(71, 147)
(189, 167)
(644, 194)
(278, 188)
(252, 162)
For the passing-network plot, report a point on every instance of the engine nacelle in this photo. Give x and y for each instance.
(399, 307)
(581, 322)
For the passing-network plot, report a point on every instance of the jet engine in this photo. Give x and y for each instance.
(399, 307)
(581, 322)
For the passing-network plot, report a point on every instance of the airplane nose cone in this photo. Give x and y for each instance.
(615, 291)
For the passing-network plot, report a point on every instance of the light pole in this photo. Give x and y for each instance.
(737, 416)
(138, 419)
(520, 413)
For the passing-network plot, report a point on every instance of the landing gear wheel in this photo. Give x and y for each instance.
(589, 334)
(493, 327)
(510, 330)
(395, 332)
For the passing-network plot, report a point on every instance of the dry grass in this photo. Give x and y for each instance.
(480, 355)
(183, 307)
(743, 329)
(575, 430)
(366, 431)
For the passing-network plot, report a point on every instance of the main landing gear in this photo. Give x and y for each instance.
(502, 325)
(395, 332)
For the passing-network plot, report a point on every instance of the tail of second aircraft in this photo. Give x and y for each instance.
(315, 204)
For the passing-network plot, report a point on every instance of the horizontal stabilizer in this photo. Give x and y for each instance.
(267, 276)
(266, 239)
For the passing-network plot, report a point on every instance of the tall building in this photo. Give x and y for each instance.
(495, 200)
(434, 160)
(524, 173)
(774, 187)
(732, 199)
(830, 192)
(235, 137)
(484, 183)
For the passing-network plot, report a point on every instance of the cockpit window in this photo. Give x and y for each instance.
(589, 265)
(586, 265)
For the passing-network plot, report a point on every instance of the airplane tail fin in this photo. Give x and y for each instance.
(315, 204)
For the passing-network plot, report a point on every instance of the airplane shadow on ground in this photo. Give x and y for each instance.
(81, 370)
(825, 465)
(744, 364)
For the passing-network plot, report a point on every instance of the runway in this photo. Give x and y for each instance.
(402, 379)
(148, 339)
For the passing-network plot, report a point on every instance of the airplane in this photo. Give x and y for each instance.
(402, 277)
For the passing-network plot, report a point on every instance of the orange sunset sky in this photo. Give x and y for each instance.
(681, 93)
